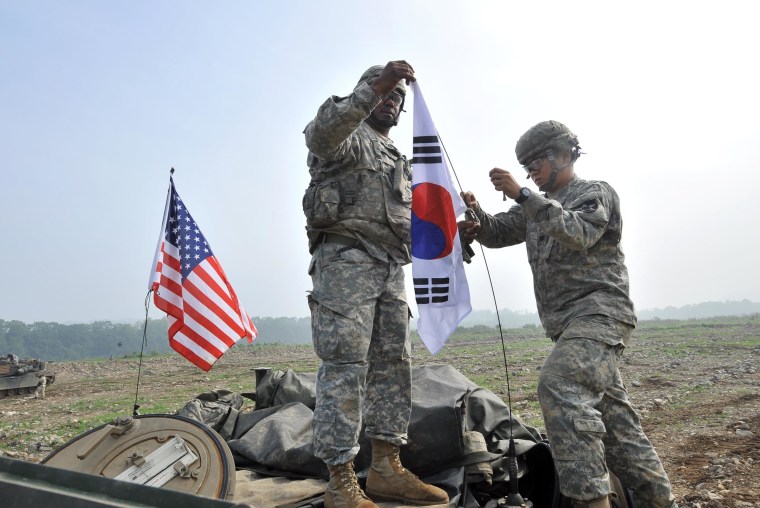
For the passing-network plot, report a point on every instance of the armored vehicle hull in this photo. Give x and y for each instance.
(21, 376)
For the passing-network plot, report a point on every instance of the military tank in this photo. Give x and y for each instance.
(21, 376)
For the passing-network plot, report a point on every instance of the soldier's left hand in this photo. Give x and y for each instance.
(503, 181)
(468, 230)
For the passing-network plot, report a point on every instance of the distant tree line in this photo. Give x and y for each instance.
(56, 341)
(702, 310)
(104, 339)
(507, 318)
(512, 319)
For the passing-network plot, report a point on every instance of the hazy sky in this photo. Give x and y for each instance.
(99, 99)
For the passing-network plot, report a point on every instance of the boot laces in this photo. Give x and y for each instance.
(402, 471)
(349, 481)
(396, 461)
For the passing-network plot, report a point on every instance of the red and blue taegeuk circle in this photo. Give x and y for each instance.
(434, 224)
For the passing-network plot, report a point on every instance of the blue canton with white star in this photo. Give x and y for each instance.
(182, 231)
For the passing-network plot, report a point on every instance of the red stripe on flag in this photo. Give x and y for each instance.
(214, 286)
(250, 330)
(175, 327)
(190, 355)
(209, 326)
(230, 295)
(172, 261)
(201, 339)
(214, 309)
(171, 286)
(166, 305)
(204, 316)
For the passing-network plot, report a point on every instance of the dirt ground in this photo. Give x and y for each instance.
(696, 385)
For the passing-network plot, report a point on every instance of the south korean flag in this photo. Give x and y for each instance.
(440, 285)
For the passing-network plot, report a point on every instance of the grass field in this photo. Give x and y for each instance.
(696, 384)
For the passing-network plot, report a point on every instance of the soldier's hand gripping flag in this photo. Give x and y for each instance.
(202, 310)
(440, 284)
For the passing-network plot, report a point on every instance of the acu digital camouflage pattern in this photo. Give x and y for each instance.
(361, 190)
(590, 422)
(360, 183)
(359, 319)
(541, 137)
(573, 242)
(581, 286)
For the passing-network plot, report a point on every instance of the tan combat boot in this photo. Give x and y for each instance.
(343, 489)
(389, 480)
(602, 502)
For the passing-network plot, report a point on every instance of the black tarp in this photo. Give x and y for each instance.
(276, 438)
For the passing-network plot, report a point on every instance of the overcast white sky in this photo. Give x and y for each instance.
(99, 99)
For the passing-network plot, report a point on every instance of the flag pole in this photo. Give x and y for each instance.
(136, 406)
(161, 235)
(513, 498)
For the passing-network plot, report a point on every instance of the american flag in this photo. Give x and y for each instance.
(202, 310)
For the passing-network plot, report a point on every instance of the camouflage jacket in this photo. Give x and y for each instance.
(360, 183)
(573, 242)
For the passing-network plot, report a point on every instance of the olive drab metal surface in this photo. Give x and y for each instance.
(166, 451)
(24, 484)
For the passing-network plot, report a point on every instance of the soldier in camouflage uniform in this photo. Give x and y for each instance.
(572, 234)
(39, 392)
(358, 216)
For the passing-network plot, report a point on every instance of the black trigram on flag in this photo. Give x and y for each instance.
(431, 290)
(426, 150)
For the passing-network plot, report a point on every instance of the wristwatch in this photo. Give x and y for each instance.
(524, 194)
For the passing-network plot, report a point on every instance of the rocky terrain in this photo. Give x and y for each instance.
(696, 384)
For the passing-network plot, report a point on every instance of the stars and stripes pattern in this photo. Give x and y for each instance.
(202, 310)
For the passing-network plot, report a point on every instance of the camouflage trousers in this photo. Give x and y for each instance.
(360, 330)
(39, 392)
(592, 426)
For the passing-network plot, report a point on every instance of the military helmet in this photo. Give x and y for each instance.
(543, 136)
(371, 74)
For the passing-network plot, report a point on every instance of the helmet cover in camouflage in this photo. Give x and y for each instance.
(541, 137)
(371, 74)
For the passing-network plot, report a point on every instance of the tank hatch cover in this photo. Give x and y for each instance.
(166, 451)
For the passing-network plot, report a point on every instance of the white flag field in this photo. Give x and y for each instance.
(440, 284)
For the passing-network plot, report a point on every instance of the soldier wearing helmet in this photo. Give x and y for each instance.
(546, 141)
(384, 117)
(572, 231)
(358, 221)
